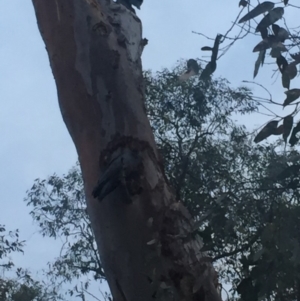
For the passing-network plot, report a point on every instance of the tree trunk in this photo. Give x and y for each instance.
(146, 239)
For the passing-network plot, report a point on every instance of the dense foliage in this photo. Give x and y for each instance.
(244, 198)
(19, 285)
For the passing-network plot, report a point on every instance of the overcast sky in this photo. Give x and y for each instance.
(34, 140)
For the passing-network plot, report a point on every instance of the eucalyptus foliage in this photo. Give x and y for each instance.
(243, 197)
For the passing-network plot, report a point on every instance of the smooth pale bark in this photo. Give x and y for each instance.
(145, 238)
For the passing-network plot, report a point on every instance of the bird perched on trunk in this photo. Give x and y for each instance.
(124, 170)
(128, 3)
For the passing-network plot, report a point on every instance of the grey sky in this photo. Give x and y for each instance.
(34, 140)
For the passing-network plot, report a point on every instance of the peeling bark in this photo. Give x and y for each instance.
(146, 238)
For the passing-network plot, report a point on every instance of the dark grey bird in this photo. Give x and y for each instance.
(119, 170)
(192, 69)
